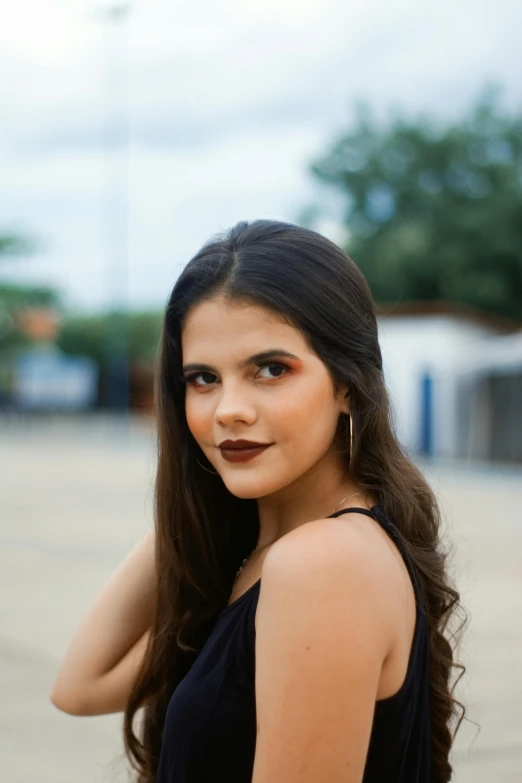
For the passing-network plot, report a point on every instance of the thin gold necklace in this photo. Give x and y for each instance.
(260, 550)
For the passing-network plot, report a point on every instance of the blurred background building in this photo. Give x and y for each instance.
(455, 378)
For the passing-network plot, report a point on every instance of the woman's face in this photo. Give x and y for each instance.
(289, 403)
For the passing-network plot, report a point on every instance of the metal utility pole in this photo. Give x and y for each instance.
(116, 203)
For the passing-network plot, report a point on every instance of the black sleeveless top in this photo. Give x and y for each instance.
(210, 726)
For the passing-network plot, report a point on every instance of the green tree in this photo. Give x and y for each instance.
(87, 335)
(14, 299)
(433, 211)
(15, 245)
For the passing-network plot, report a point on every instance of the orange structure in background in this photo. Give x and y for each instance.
(38, 323)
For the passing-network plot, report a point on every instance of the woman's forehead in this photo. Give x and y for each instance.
(232, 333)
(217, 316)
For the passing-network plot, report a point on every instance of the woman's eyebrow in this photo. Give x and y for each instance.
(257, 357)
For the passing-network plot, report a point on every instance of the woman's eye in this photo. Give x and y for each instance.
(192, 378)
(279, 366)
(210, 377)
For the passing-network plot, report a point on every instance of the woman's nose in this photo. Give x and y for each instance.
(234, 406)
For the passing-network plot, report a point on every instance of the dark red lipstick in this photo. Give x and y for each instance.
(241, 450)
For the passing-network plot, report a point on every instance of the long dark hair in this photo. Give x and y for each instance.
(203, 531)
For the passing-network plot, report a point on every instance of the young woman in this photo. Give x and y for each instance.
(285, 624)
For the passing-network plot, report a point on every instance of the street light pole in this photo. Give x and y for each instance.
(116, 198)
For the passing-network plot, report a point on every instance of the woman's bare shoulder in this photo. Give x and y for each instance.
(345, 554)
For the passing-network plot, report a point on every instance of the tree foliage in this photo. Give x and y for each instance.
(88, 335)
(12, 244)
(434, 211)
(81, 335)
(14, 299)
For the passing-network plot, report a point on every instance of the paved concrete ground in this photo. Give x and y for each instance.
(75, 496)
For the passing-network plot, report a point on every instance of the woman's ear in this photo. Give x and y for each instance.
(346, 402)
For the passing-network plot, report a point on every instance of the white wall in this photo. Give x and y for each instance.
(413, 345)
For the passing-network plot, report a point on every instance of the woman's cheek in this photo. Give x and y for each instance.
(196, 419)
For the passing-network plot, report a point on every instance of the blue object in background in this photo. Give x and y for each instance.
(426, 415)
(49, 380)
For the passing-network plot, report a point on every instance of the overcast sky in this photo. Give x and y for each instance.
(226, 104)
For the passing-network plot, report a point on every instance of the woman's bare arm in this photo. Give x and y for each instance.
(103, 657)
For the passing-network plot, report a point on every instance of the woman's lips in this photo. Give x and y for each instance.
(242, 455)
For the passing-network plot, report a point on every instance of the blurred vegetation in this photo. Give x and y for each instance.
(20, 296)
(431, 211)
(86, 335)
(79, 335)
(12, 244)
(16, 298)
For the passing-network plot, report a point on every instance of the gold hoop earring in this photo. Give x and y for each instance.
(214, 473)
(351, 441)
(349, 414)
